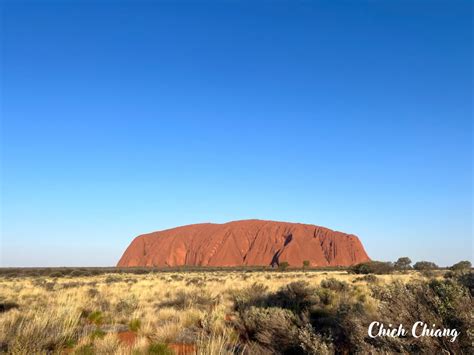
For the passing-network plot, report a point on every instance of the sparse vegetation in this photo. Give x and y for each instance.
(425, 265)
(373, 267)
(230, 312)
(403, 263)
(462, 266)
(135, 325)
(283, 265)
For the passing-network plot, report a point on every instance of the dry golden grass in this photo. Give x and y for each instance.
(96, 314)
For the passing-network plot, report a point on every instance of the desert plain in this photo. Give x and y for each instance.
(226, 311)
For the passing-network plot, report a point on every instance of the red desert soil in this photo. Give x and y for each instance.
(128, 337)
(249, 242)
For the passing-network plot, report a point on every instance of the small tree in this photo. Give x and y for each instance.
(305, 264)
(283, 266)
(425, 265)
(461, 266)
(403, 263)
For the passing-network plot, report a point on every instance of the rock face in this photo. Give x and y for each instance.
(249, 242)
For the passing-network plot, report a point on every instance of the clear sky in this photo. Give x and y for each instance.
(121, 118)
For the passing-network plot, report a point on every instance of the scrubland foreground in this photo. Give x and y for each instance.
(231, 312)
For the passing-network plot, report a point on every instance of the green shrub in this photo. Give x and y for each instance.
(467, 280)
(86, 349)
(252, 295)
(370, 278)
(274, 328)
(335, 285)
(425, 265)
(76, 273)
(445, 303)
(70, 343)
(403, 263)
(372, 267)
(97, 334)
(134, 325)
(461, 266)
(96, 317)
(296, 296)
(283, 265)
(111, 279)
(159, 349)
(186, 299)
(57, 274)
(300, 319)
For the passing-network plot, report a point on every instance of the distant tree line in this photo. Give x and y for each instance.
(404, 264)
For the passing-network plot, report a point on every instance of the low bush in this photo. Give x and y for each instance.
(467, 280)
(335, 285)
(111, 279)
(461, 266)
(282, 266)
(369, 278)
(425, 265)
(184, 299)
(336, 315)
(372, 267)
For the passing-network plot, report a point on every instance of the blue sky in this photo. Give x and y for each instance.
(122, 118)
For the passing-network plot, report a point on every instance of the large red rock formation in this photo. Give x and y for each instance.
(250, 242)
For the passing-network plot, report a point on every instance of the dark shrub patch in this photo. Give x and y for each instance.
(274, 328)
(6, 306)
(57, 274)
(425, 265)
(335, 285)
(48, 286)
(301, 319)
(368, 278)
(372, 267)
(462, 265)
(467, 280)
(282, 266)
(111, 279)
(92, 292)
(296, 296)
(185, 300)
(76, 273)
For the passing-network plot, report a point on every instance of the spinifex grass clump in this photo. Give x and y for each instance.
(34, 331)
